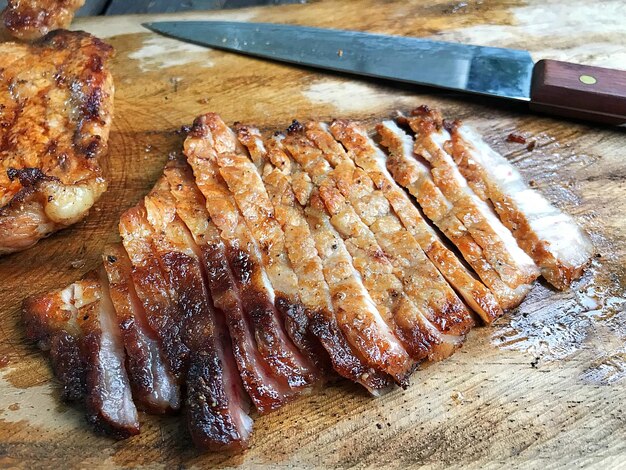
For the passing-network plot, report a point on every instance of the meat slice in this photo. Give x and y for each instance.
(514, 266)
(32, 19)
(394, 307)
(154, 388)
(267, 392)
(368, 156)
(155, 292)
(284, 359)
(216, 405)
(246, 186)
(432, 295)
(79, 327)
(56, 106)
(559, 247)
(414, 175)
(313, 289)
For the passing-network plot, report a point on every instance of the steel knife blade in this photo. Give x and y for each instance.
(491, 71)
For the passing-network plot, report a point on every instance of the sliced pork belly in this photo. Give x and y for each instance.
(394, 307)
(421, 280)
(266, 391)
(371, 158)
(414, 175)
(355, 311)
(559, 247)
(246, 186)
(377, 272)
(216, 405)
(281, 355)
(153, 289)
(79, 326)
(514, 266)
(314, 291)
(154, 388)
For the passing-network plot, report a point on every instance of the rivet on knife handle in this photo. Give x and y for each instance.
(579, 91)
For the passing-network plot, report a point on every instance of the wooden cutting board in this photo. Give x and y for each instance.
(544, 387)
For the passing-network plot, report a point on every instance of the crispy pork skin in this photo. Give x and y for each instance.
(559, 247)
(32, 19)
(398, 310)
(79, 326)
(267, 392)
(414, 175)
(368, 156)
(204, 142)
(435, 299)
(369, 271)
(305, 259)
(249, 192)
(56, 106)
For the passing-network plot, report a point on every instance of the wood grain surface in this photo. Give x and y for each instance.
(543, 388)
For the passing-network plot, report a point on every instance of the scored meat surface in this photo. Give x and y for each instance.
(32, 19)
(258, 264)
(56, 106)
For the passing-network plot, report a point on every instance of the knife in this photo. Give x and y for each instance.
(559, 88)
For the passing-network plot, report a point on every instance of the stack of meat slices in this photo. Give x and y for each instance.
(259, 267)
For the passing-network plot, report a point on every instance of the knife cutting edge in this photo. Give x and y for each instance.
(559, 88)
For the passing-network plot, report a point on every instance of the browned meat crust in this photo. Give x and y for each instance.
(216, 405)
(559, 247)
(286, 362)
(78, 325)
(56, 106)
(308, 266)
(265, 391)
(32, 19)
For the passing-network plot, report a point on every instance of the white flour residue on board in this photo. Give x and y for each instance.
(353, 96)
(160, 52)
(30, 405)
(575, 19)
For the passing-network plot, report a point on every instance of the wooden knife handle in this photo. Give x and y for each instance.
(579, 91)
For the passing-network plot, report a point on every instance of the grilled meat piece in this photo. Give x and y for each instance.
(32, 19)
(79, 327)
(421, 280)
(559, 247)
(154, 290)
(205, 141)
(247, 188)
(366, 256)
(367, 155)
(313, 289)
(216, 405)
(414, 175)
(266, 392)
(56, 106)
(154, 388)
(500, 248)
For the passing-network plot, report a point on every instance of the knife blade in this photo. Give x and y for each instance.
(550, 86)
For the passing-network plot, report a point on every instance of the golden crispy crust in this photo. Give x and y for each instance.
(32, 19)
(56, 106)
